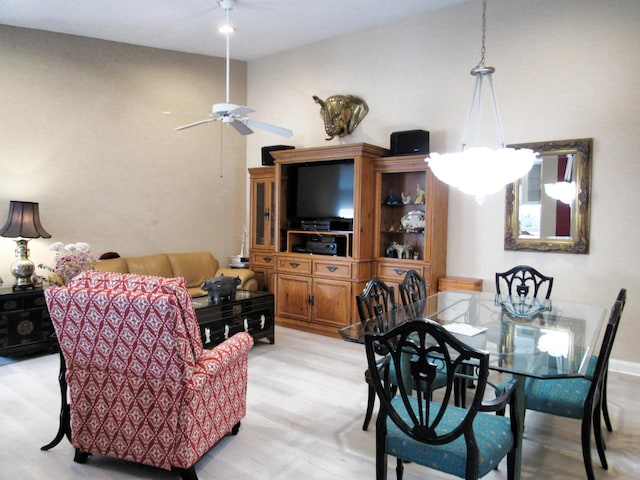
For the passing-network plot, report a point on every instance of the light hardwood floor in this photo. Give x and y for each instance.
(306, 402)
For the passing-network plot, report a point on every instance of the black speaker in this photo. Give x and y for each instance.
(410, 142)
(267, 158)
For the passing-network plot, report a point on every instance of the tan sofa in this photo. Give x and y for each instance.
(194, 267)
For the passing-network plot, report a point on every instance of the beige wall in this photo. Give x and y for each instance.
(563, 70)
(82, 133)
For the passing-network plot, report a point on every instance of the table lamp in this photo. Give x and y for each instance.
(23, 224)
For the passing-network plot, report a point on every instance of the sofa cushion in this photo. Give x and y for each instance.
(194, 267)
(157, 265)
(117, 265)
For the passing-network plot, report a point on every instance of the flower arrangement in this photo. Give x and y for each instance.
(70, 260)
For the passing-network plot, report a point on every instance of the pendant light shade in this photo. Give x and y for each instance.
(481, 171)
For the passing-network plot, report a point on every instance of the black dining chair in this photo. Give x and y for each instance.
(622, 298)
(375, 299)
(412, 427)
(413, 288)
(523, 284)
(524, 281)
(580, 398)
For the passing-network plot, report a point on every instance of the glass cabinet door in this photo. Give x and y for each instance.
(263, 210)
(270, 216)
(261, 213)
(402, 218)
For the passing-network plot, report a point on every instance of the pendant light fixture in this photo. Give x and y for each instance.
(478, 170)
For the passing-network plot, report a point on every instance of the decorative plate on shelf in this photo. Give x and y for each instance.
(413, 221)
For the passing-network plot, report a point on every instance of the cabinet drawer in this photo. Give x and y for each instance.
(12, 304)
(327, 268)
(258, 324)
(397, 271)
(263, 259)
(294, 265)
(21, 329)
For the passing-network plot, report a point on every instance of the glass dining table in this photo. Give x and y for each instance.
(526, 338)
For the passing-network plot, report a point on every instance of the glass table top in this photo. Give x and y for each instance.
(538, 339)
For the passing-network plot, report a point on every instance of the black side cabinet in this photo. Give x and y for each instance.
(25, 325)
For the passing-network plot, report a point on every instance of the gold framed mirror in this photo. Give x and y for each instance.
(548, 209)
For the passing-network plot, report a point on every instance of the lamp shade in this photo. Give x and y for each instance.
(23, 221)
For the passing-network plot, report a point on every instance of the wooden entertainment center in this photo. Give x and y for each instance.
(316, 267)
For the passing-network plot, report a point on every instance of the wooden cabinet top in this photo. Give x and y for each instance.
(329, 152)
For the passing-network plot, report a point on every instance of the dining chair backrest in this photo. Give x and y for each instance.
(375, 299)
(524, 281)
(413, 288)
(622, 298)
(431, 348)
(602, 362)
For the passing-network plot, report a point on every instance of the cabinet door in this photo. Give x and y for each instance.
(293, 297)
(262, 213)
(265, 279)
(331, 302)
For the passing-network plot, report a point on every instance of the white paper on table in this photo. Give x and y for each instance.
(464, 329)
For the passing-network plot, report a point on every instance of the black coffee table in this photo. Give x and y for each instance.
(248, 312)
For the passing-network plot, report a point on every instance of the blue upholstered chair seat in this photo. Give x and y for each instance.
(493, 435)
(564, 397)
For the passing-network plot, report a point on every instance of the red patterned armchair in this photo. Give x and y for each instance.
(141, 386)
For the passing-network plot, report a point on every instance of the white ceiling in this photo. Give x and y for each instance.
(263, 27)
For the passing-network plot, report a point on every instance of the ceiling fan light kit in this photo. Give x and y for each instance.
(229, 113)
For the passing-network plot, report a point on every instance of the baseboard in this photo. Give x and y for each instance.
(622, 366)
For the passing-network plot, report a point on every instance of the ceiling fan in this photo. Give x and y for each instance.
(231, 114)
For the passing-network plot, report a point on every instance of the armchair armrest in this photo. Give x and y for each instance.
(214, 361)
(246, 276)
(215, 398)
(503, 396)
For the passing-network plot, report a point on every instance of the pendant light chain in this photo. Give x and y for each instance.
(484, 31)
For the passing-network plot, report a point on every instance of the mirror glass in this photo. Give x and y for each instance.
(548, 209)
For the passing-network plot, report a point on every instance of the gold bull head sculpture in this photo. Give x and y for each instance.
(341, 114)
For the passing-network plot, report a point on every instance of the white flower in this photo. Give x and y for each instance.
(56, 246)
(70, 260)
(83, 247)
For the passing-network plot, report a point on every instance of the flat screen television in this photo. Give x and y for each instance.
(321, 191)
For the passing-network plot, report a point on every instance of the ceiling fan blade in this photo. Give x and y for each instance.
(194, 124)
(283, 132)
(199, 113)
(241, 127)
